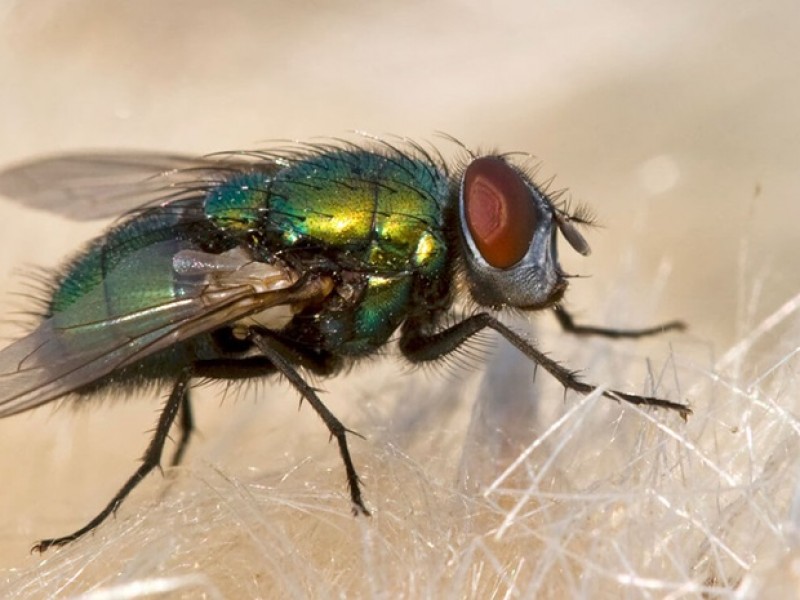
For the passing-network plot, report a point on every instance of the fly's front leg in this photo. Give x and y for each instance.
(418, 346)
(282, 357)
(568, 324)
(151, 459)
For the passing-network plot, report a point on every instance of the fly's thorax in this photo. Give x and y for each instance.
(383, 210)
(236, 204)
(372, 221)
(359, 324)
(348, 292)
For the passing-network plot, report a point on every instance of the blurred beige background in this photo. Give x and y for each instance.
(678, 123)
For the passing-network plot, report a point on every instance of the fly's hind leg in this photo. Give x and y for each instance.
(283, 357)
(178, 398)
(186, 424)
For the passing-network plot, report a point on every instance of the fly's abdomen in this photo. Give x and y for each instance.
(121, 277)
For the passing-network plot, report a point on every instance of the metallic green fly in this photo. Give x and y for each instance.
(250, 264)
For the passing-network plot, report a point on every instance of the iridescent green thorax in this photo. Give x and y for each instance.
(378, 216)
(384, 210)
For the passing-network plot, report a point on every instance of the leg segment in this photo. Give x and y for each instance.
(420, 347)
(186, 424)
(568, 324)
(277, 353)
(151, 460)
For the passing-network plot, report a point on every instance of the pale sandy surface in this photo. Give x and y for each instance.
(678, 122)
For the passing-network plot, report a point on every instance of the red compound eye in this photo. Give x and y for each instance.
(499, 210)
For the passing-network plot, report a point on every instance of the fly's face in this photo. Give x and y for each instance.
(508, 231)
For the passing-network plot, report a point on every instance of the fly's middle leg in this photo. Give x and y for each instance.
(283, 357)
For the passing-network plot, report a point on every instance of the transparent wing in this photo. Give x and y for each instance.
(85, 186)
(71, 350)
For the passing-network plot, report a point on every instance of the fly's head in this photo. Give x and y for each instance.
(508, 232)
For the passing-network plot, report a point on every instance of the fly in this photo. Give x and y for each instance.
(308, 258)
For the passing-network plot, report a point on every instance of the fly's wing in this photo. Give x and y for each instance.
(86, 186)
(72, 349)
